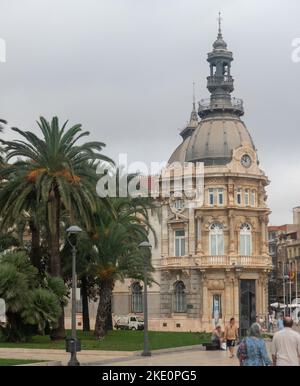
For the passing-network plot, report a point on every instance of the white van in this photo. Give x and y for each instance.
(129, 322)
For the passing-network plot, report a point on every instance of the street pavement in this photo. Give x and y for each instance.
(183, 356)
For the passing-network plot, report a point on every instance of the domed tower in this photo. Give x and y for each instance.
(214, 257)
(211, 256)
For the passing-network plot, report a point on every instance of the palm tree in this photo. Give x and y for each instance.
(119, 231)
(56, 172)
(2, 123)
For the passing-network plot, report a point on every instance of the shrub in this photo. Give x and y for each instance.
(30, 305)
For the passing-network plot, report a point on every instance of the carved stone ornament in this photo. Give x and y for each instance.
(216, 284)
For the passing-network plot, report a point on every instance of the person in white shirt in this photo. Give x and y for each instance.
(286, 345)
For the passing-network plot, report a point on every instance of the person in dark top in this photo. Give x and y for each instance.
(216, 338)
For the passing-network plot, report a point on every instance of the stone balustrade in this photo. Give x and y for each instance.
(217, 262)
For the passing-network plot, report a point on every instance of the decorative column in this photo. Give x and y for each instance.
(205, 313)
(259, 297)
(191, 231)
(231, 233)
(236, 302)
(263, 219)
(227, 312)
(170, 240)
(164, 230)
(199, 249)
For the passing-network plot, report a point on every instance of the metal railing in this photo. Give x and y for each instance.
(233, 103)
(218, 80)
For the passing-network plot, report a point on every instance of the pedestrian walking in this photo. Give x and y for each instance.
(280, 325)
(230, 336)
(270, 322)
(252, 350)
(285, 347)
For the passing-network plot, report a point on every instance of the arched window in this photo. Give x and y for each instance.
(245, 240)
(136, 298)
(180, 300)
(216, 240)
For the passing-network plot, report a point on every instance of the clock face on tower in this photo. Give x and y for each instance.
(246, 161)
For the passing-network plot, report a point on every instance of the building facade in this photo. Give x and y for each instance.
(211, 260)
(284, 248)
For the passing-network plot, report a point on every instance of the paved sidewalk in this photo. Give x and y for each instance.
(187, 357)
(180, 356)
(62, 356)
(183, 358)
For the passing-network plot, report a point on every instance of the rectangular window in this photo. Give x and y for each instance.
(252, 199)
(246, 197)
(216, 196)
(245, 245)
(216, 245)
(239, 196)
(179, 242)
(211, 196)
(217, 307)
(220, 196)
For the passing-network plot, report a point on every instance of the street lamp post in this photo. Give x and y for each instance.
(73, 343)
(145, 246)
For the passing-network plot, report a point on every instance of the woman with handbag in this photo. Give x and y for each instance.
(252, 350)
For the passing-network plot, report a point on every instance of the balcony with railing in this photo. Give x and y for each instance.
(221, 81)
(209, 105)
(217, 262)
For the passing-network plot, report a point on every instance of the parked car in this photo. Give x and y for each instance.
(129, 322)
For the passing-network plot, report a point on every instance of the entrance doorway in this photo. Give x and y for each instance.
(247, 305)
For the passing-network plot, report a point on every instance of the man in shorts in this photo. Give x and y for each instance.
(231, 335)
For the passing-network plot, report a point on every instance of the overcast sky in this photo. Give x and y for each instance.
(124, 69)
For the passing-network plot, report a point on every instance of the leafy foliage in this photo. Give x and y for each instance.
(29, 305)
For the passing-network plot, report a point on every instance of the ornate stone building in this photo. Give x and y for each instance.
(284, 249)
(211, 261)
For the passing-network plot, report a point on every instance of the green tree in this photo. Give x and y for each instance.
(56, 172)
(2, 123)
(120, 229)
(30, 305)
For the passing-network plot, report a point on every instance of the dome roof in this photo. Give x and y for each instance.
(213, 141)
(220, 44)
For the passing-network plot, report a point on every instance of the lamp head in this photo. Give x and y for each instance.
(145, 244)
(74, 229)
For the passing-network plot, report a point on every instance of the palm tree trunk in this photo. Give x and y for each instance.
(35, 255)
(85, 304)
(103, 310)
(109, 323)
(55, 261)
(54, 229)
